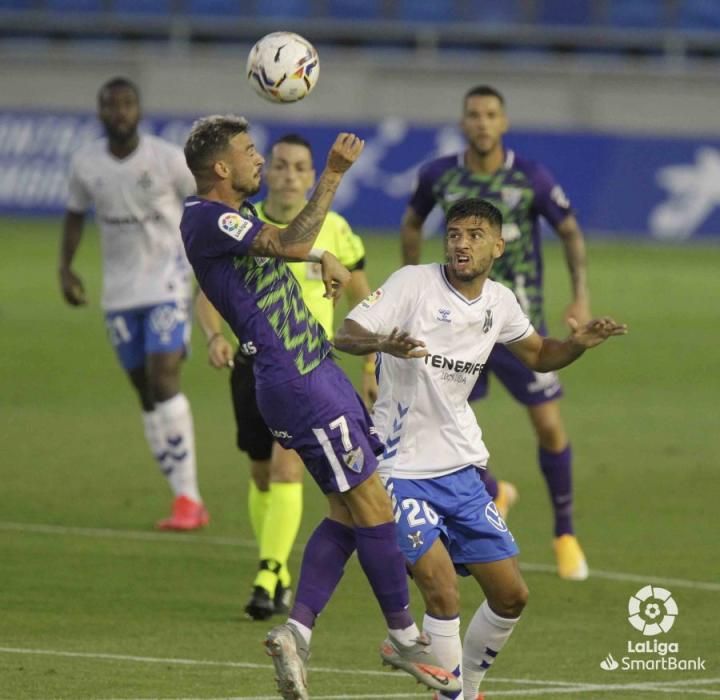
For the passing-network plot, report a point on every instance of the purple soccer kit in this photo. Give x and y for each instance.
(307, 402)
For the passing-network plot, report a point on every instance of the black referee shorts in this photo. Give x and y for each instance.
(253, 435)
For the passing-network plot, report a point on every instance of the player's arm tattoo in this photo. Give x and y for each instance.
(306, 225)
(355, 343)
(296, 241)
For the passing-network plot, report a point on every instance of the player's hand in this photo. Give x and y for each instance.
(595, 332)
(369, 389)
(220, 352)
(344, 152)
(400, 344)
(334, 276)
(579, 310)
(72, 287)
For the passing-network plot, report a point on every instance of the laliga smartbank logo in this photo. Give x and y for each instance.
(652, 611)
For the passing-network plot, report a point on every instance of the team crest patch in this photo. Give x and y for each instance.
(487, 324)
(163, 321)
(416, 540)
(145, 181)
(511, 196)
(354, 460)
(559, 197)
(374, 298)
(234, 225)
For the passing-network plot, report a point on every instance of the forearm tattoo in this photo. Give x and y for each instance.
(306, 225)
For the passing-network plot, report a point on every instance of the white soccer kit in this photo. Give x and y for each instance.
(138, 203)
(422, 412)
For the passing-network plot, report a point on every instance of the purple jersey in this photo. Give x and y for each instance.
(258, 297)
(523, 191)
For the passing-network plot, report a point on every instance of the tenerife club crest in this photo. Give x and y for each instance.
(487, 323)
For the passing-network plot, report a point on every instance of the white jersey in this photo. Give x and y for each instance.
(422, 412)
(138, 203)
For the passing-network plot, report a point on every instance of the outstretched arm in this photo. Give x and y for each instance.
(70, 284)
(296, 241)
(411, 237)
(548, 354)
(356, 340)
(575, 255)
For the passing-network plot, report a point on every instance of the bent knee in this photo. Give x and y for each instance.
(440, 601)
(511, 602)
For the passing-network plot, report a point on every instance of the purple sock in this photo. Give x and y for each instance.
(384, 565)
(490, 482)
(323, 565)
(556, 467)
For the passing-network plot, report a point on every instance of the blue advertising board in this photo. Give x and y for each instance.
(661, 188)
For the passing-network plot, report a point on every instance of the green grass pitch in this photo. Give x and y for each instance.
(94, 604)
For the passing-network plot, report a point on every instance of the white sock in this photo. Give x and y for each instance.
(177, 424)
(446, 644)
(305, 632)
(155, 436)
(407, 637)
(485, 637)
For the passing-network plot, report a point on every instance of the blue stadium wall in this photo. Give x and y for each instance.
(660, 188)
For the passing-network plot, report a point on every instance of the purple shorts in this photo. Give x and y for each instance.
(527, 387)
(321, 416)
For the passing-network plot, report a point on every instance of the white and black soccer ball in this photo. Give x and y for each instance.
(283, 67)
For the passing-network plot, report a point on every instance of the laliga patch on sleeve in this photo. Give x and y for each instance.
(374, 298)
(234, 225)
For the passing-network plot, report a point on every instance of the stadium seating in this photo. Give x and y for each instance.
(548, 26)
(215, 8)
(636, 14)
(565, 12)
(699, 15)
(298, 9)
(427, 11)
(355, 9)
(61, 6)
(16, 5)
(142, 7)
(494, 11)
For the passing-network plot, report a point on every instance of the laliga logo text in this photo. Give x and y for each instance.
(652, 611)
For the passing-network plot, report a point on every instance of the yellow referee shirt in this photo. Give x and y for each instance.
(337, 237)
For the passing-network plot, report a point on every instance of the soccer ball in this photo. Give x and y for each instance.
(283, 67)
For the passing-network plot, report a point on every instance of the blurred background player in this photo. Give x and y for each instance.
(275, 490)
(523, 191)
(136, 184)
(446, 519)
(305, 399)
